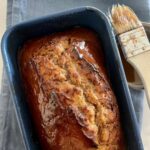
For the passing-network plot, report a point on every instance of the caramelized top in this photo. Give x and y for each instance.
(71, 101)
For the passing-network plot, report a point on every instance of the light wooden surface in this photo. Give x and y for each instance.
(3, 8)
(141, 64)
(146, 126)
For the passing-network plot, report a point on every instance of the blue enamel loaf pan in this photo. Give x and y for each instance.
(89, 17)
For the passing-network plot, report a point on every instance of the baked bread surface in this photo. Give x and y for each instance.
(71, 101)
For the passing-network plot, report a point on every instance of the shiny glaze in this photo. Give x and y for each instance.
(71, 101)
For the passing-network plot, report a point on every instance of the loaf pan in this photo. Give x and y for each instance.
(88, 17)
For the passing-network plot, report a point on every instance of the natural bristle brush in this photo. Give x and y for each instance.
(134, 42)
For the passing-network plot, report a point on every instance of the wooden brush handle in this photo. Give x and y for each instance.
(141, 63)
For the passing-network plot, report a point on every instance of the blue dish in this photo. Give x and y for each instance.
(89, 17)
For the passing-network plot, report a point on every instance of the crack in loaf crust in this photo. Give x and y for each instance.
(71, 101)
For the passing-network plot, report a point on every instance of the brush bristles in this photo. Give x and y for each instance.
(123, 19)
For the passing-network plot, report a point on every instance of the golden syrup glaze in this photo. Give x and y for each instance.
(71, 101)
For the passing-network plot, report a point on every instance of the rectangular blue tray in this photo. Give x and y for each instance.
(15, 37)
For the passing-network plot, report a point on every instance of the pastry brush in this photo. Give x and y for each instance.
(134, 42)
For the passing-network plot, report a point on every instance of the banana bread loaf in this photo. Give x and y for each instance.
(71, 101)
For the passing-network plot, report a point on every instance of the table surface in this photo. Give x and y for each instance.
(2, 28)
(143, 12)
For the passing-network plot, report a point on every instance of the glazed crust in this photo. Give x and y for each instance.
(72, 104)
